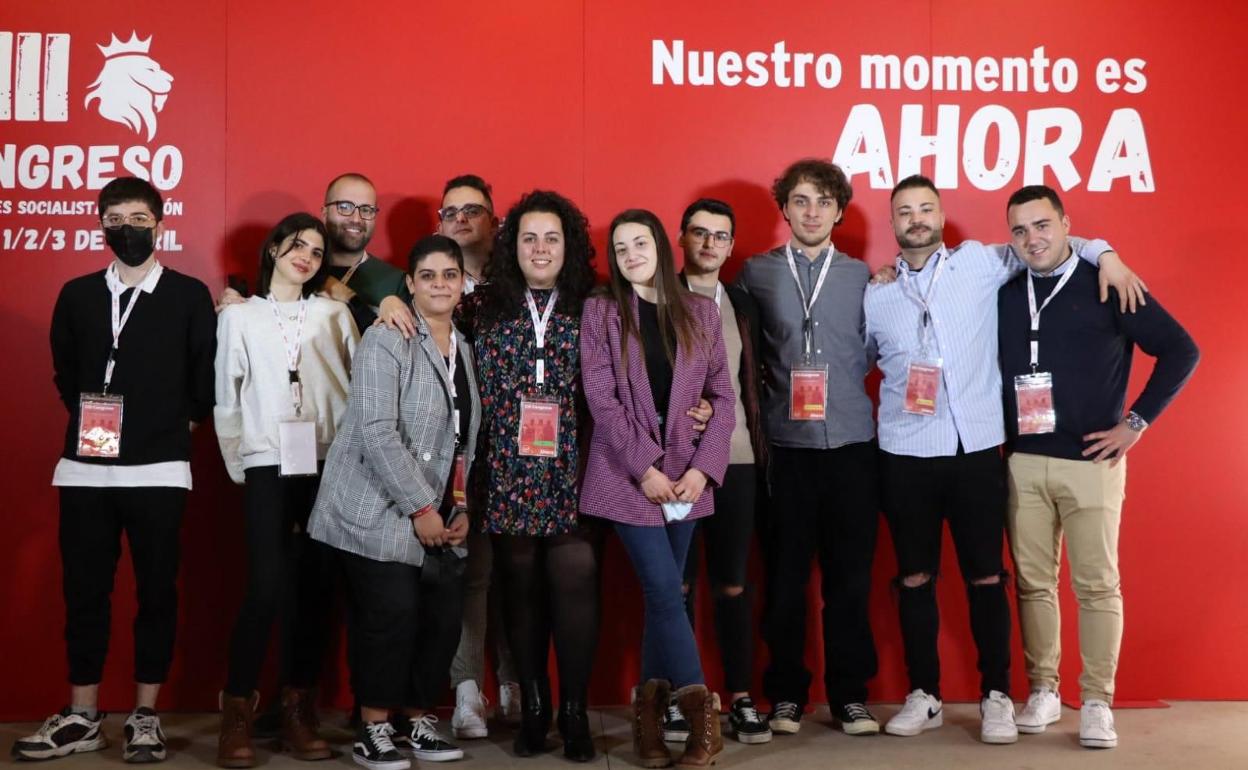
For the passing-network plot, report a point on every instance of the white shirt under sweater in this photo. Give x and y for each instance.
(253, 383)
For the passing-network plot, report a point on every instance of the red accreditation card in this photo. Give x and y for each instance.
(922, 385)
(808, 393)
(1035, 403)
(539, 427)
(458, 487)
(99, 425)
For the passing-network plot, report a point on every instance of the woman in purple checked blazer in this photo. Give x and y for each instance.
(650, 350)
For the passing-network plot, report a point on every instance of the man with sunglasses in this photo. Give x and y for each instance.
(467, 217)
(134, 388)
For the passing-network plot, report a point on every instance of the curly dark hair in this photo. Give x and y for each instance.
(827, 178)
(504, 280)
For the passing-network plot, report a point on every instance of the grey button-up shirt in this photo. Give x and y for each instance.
(838, 342)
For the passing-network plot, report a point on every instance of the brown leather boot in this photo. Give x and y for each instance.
(299, 725)
(234, 747)
(701, 710)
(648, 706)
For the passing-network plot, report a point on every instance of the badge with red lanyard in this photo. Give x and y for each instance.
(539, 412)
(808, 380)
(1034, 392)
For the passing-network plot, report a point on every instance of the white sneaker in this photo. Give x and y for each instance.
(1096, 725)
(921, 712)
(468, 720)
(509, 702)
(996, 714)
(1043, 709)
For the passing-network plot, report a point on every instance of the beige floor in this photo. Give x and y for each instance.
(1190, 736)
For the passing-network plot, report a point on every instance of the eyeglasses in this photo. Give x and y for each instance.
(347, 208)
(469, 210)
(718, 237)
(141, 221)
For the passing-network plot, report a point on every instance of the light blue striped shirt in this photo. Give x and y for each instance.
(963, 334)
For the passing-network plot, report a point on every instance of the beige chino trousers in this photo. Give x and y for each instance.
(1051, 499)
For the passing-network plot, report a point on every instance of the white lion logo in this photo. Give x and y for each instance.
(132, 87)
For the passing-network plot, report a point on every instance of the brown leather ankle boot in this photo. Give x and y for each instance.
(299, 725)
(648, 705)
(701, 709)
(234, 747)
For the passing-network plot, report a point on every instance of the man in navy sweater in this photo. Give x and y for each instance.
(1065, 360)
(132, 349)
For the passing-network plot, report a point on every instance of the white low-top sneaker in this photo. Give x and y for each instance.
(997, 719)
(1096, 725)
(921, 712)
(468, 720)
(1043, 708)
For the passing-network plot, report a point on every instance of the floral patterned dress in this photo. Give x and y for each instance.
(515, 494)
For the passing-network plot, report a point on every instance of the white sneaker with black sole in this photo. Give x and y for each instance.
(855, 719)
(996, 713)
(468, 721)
(1042, 709)
(425, 742)
(375, 749)
(675, 726)
(60, 735)
(785, 718)
(145, 741)
(920, 712)
(1096, 725)
(509, 703)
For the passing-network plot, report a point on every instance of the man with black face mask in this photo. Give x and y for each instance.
(132, 350)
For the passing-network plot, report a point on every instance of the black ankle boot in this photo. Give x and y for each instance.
(534, 717)
(578, 744)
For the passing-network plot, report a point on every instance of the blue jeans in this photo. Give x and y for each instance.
(668, 649)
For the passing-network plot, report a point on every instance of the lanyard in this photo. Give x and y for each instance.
(346, 278)
(1035, 312)
(808, 305)
(292, 348)
(116, 288)
(450, 376)
(539, 329)
(719, 293)
(924, 301)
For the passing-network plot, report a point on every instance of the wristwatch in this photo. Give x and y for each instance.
(1135, 422)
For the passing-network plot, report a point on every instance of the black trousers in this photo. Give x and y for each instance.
(726, 538)
(823, 503)
(968, 490)
(289, 575)
(403, 627)
(91, 523)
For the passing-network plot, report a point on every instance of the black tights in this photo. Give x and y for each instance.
(551, 585)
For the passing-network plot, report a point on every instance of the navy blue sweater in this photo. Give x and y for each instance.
(1087, 346)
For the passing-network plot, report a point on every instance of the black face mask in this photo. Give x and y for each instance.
(131, 244)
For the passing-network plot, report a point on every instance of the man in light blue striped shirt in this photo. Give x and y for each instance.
(934, 331)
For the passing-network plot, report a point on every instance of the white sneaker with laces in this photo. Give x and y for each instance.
(997, 719)
(1096, 725)
(509, 702)
(468, 721)
(920, 712)
(1043, 708)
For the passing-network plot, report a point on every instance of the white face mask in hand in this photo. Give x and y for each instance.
(676, 511)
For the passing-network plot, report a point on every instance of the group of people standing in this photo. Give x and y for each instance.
(458, 467)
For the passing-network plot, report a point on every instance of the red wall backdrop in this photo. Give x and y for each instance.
(270, 100)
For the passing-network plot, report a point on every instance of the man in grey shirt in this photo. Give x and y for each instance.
(818, 420)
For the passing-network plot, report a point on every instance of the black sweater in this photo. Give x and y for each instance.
(164, 366)
(1087, 346)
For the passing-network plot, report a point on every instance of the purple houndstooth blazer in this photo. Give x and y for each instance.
(626, 438)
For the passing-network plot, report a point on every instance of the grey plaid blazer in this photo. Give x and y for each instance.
(394, 450)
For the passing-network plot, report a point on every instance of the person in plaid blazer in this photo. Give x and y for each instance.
(650, 349)
(387, 507)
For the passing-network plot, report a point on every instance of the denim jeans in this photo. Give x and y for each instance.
(668, 649)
